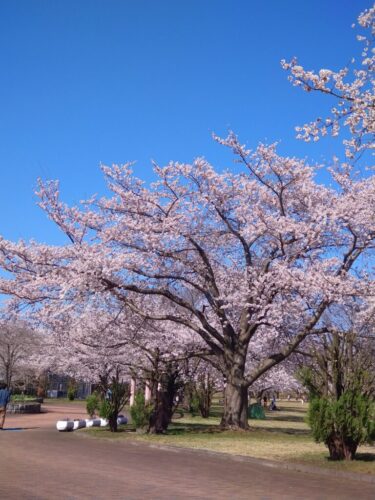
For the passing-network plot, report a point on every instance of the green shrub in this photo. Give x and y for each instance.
(71, 393)
(194, 404)
(92, 404)
(343, 424)
(21, 398)
(141, 411)
(105, 409)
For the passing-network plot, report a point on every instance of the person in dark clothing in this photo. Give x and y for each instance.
(273, 406)
(4, 400)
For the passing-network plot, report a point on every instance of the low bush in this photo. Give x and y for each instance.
(343, 424)
(92, 404)
(71, 394)
(141, 411)
(105, 409)
(194, 404)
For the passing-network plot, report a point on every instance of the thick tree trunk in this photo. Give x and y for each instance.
(341, 449)
(163, 407)
(162, 415)
(205, 398)
(235, 407)
(113, 422)
(236, 392)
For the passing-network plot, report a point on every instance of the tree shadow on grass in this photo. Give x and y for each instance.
(359, 457)
(272, 424)
(365, 457)
(282, 430)
(283, 418)
(293, 409)
(182, 428)
(218, 413)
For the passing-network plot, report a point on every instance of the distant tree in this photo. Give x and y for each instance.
(339, 373)
(19, 350)
(202, 380)
(342, 358)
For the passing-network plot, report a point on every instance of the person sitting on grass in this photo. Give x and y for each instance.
(273, 406)
(4, 400)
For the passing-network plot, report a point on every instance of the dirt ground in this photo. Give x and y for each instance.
(38, 462)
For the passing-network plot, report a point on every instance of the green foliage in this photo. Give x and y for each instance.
(92, 404)
(72, 389)
(343, 424)
(306, 377)
(194, 404)
(141, 411)
(115, 398)
(21, 398)
(205, 392)
(71, 393)
(105, 409)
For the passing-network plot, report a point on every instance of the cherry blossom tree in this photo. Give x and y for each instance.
(20, 351)
(97, 342)
(281, 378)
(247, 261)
(202, 381)
(353, 90)
(338, 371)
(343, 358)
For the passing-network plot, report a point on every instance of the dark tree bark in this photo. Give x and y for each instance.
(112, 420)
(236, 391)
(341, 448)
(235, 407)
(164, 405)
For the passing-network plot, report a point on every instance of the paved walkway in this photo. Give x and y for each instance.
(41, 463)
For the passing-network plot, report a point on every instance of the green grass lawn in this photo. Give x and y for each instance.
(282, 436)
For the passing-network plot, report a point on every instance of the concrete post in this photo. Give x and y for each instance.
(132, 391)
(147, 391)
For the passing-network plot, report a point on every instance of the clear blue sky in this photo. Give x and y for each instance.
(90, 81)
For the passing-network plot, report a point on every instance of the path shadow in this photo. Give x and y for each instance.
(19, 428)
